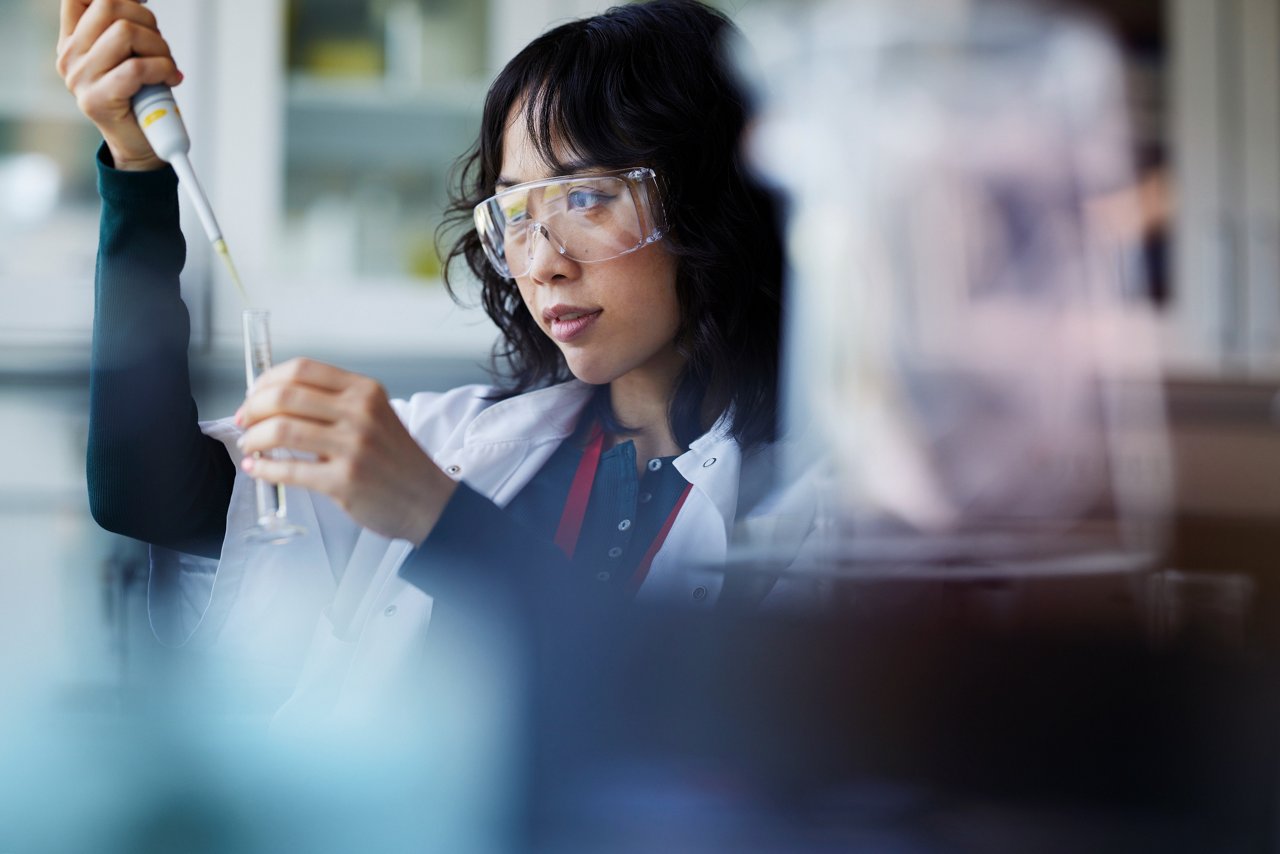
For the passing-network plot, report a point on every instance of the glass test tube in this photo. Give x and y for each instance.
(273, 522)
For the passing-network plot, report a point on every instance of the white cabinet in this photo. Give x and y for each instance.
(327, 167)
(329, 131)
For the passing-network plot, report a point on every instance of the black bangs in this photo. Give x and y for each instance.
(645, 85)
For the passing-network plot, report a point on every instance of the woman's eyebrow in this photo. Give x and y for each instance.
(573, 167)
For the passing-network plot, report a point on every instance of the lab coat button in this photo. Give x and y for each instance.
(624, 524)
(453, 470)
(616, 551)
(655, 464)
(699, 593)
(389, 611)
(709, 463)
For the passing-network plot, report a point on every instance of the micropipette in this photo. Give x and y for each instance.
(161, 123)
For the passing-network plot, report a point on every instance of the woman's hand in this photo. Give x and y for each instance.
(107, 51)
(366, 460)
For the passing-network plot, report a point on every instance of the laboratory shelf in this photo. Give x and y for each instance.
(306, 91)
(377, 127)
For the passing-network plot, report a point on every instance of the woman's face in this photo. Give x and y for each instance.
(610, 319)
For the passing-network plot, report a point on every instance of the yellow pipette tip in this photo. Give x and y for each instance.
(220, 246)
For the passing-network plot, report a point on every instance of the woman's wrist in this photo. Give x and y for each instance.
(432, 507)
(132, 162)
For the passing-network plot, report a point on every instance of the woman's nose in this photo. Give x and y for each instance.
(547, 260)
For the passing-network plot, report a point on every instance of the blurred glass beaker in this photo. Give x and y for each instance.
(959, 343)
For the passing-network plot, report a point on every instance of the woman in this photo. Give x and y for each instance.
(634, 273)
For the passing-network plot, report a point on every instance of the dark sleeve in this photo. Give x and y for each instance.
(152, 474)
(476, 545)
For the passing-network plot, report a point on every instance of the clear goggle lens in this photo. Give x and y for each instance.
(588, 218)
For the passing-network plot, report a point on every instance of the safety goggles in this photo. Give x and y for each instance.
(588, 218)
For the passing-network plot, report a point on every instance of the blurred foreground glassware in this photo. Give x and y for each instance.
(273, 522)
(959, 345)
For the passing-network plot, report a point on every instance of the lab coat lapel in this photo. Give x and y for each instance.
(713, 465)
(508, 443)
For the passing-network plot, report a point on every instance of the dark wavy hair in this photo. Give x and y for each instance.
(646, 85)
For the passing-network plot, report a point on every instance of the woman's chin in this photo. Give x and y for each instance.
(592, 374)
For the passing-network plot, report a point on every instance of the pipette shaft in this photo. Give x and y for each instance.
(161, 123)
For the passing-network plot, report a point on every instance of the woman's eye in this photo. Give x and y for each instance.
(583, 199)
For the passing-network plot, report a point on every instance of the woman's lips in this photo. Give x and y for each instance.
(572, 324)
(566, 322)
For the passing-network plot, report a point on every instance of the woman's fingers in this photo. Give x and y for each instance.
(71, 13)
(310, 406)
(295, 399)
(322, 476)
(122, 41)
(299, 434)
(116, 72)
(315, 390)
(98, 20)
(332, 477)
(313, 373)
(121, 83)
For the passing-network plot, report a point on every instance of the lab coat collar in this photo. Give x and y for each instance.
(509, 442)
(713, 464)
(536, 416)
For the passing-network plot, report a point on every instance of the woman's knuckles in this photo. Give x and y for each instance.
(99, 107)
(281, 398)
(283, 433)
(63, 62)
(112, 8)
(122, 32)
(361, 444)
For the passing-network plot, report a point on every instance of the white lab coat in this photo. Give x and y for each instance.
(329, 613)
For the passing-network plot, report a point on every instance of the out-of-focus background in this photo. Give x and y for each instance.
(324, 132)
